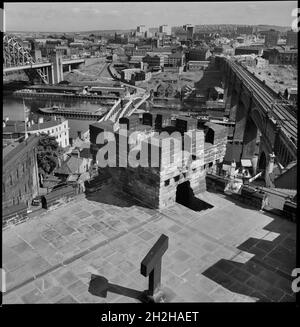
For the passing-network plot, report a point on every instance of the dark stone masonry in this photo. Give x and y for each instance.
(156, 185)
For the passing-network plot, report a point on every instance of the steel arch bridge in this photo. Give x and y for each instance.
(14, 55)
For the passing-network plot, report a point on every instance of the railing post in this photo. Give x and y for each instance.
(151, 264)
(155, 278)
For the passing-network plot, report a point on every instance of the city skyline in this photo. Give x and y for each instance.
(74, 17)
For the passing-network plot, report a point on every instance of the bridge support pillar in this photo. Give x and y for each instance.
(254, 162)
(227, 98)
(251, 142)
(50, 74)
(57, 66)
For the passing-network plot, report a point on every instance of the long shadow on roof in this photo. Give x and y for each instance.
(267, 275)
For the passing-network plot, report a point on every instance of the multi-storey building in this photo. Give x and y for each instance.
(245, 30)
(271, 38)
(189, 31)
(58, 128)
(154, 61)
(292, 39)
(20, 172)
(198, 54)
(141, 31)
(175, 60)
(165, 29)
(135, 75)
(281, 56)
(248, 50)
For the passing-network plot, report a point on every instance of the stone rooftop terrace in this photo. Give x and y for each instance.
(227, 253)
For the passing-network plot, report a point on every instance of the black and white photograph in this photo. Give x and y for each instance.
(149, 154)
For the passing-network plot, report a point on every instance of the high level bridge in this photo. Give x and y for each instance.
(258, 110)
(16, 58)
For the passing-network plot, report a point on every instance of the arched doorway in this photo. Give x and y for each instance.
(250, 138)
(240, 122)
(185, 196)
(183, 193)
(44, 202)
(262, 162)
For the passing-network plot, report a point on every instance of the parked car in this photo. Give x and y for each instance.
(37, 201)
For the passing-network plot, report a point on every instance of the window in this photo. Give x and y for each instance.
(10, 180)
(167, 182)
(209, 136)
(176, 178)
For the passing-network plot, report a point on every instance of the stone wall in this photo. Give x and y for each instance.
(156, 186)
(141, 183)
(19, 179)
(248, 195)
(176, 173)
(251, 197)
(215, 151)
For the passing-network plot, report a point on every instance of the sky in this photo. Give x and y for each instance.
(86, 16)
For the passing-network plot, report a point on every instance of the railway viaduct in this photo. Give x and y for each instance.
(265, 123)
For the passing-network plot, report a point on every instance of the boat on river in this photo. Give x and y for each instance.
(74, 113)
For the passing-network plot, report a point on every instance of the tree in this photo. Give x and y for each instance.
(48, 151)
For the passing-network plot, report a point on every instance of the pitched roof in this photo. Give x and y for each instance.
(11, 155)
(18, 126)
(63, 170)
(74, 163)
(176, 55)
(47, 124)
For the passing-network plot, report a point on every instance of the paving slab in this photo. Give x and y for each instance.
(227, 253)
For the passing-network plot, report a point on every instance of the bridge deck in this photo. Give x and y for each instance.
(40, 65)
(281, 112)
